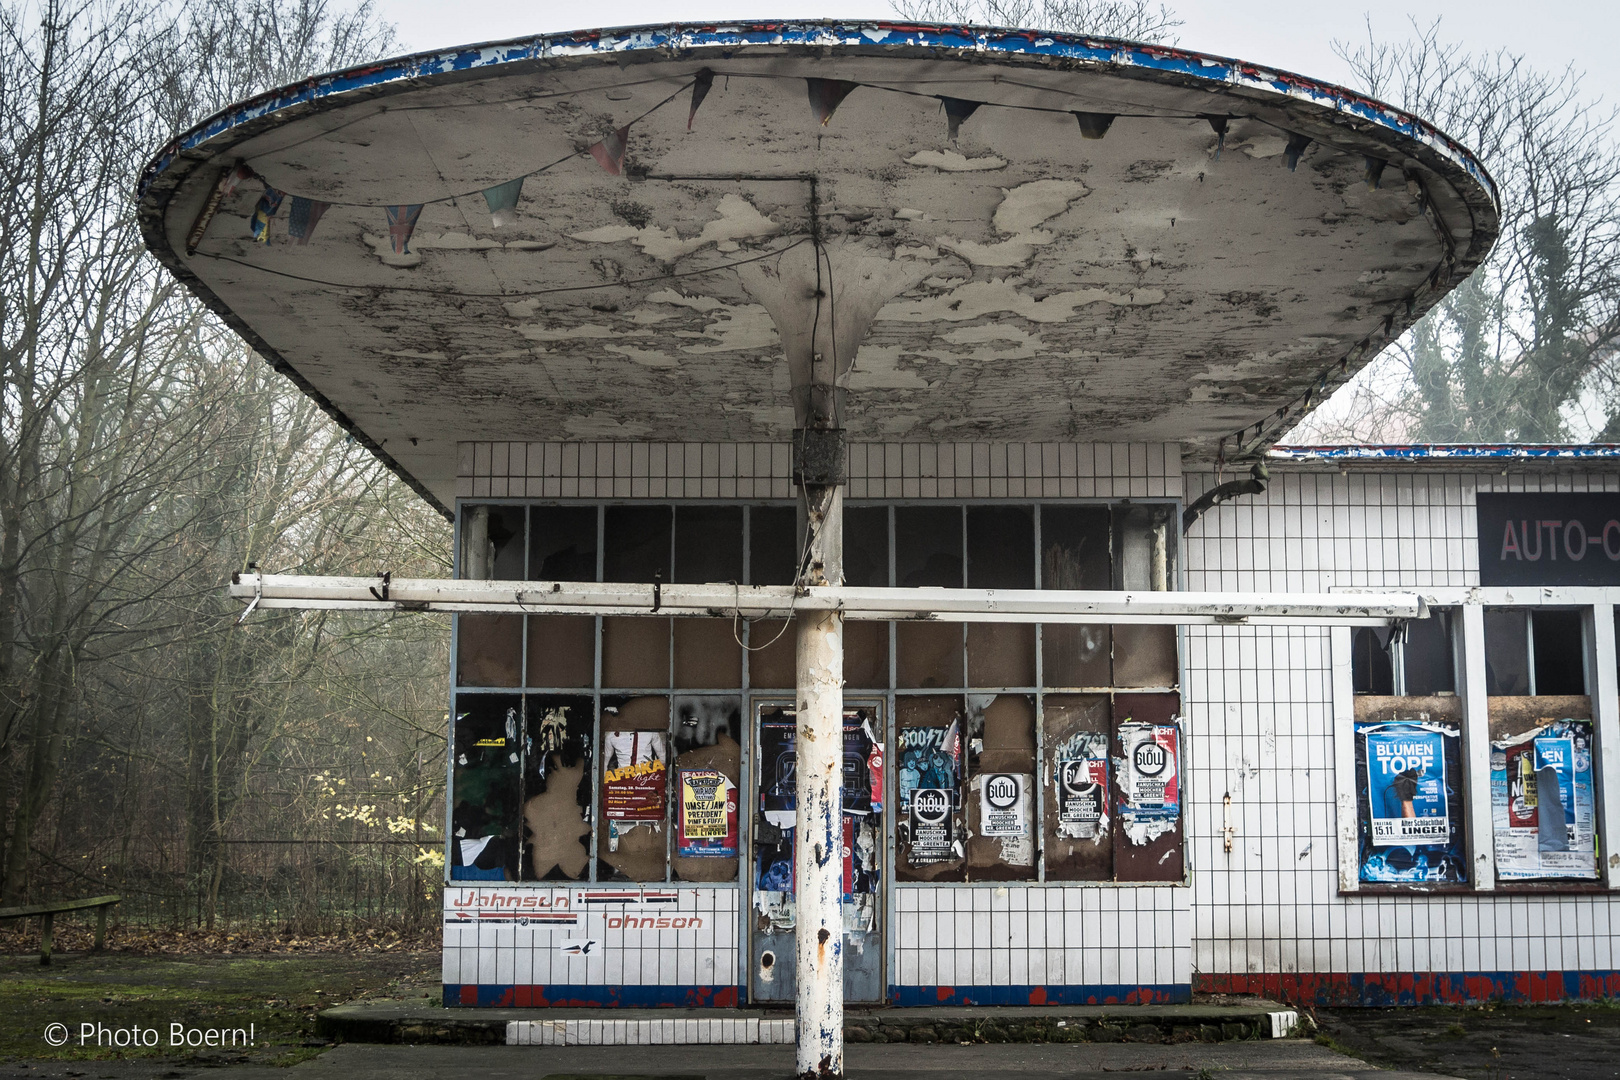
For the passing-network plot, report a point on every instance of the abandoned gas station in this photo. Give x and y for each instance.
(877, 578)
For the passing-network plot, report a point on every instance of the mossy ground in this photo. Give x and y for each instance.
(278, 995)
(1577, 1041)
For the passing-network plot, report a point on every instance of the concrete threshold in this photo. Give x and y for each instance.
(420, 1022)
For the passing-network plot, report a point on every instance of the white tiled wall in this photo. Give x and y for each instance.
(1042, 936)
(1259, 719)
(500, 470)
(499, 951)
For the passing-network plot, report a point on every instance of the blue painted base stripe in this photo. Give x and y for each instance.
(1097, 994)
(578, 995)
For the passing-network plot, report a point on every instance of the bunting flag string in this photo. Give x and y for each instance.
(503, 200)
(609, 152)
(303, 216)
(263, 211)
(401, 224)
(826, 95)
(701, 84)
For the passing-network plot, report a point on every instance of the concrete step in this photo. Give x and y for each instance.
(421, 1022)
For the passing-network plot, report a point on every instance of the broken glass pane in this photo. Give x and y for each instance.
(492, 543)
(635, 543)
(485, 785)
(557, 787)
(706, 783)
(1507, 652)
(564, 547)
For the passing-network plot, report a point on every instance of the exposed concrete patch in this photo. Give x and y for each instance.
(603, 426)
(746, 326)
(979, 298)
(951, 161)
(651, 358)
(877, 367)
(738, 220)
(1027, 205)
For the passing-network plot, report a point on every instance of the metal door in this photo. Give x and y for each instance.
(771, 908)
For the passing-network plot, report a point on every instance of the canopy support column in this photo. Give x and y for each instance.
(818, 860)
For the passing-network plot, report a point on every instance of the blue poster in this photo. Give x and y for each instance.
(1411, 814)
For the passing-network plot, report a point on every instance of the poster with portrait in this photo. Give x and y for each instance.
(636, 769)
(1542, 812)
(1082, 786)
(1411, 827)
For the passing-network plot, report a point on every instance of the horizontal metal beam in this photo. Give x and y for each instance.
(779, 601)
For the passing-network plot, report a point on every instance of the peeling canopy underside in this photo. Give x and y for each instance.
(1054, 287)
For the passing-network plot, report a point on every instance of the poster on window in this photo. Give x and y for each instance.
(1411, 813)
(930, 757)
(707, 827)
(636, 770)
(1541, 803)
(1149, 780)
(933, 827)
(1004, 804)
(1082, 784)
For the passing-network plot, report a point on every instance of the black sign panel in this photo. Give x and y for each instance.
(1549, 538)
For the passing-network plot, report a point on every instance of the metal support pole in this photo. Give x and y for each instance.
(818, 858)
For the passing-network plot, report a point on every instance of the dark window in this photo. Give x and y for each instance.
(1427, 656)
(708, 544)
(773, 545)
(1507, 652)
(564, 547)
(1001, 547)
(636, 543)
(866, 547)
(1370, 667)
(1560, 650)
(492, 543)
(928, 546)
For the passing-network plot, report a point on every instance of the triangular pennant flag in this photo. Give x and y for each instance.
(263, 211)
(1219, 125)
(701, 82)
(503, 200)
(1296, 147)
(233, 179)
(401, 223)
(609, 153)
(956, 111)
(1094, 125)
(302, 217)
(826, 95)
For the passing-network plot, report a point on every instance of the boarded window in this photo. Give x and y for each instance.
(1001, 788)
(489, 650)
(928, 769)
(1080, 825)
(562, 651)
(635, 652)
(1075, 556)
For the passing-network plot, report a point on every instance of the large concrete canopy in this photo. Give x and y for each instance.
(1024, 280)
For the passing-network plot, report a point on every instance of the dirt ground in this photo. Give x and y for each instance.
(1500, 1042)
(277, 994)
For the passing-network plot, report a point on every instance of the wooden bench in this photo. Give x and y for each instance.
(47, 916)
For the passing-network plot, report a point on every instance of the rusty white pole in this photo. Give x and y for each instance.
(818, 858)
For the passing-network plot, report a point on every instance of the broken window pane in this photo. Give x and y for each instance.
(707, 782)
(1148, 796)
(773, 545)
(1144, 561)
(635, 543)
(708, 544)
(1507, 652)
(928, 546)
(1079, 827)
(1074, 556)
(489, 650)
(1001, 788)
(866, 546)
(635, 652)
(485, 781)
(564, 547)
(866, 655)
(707, 654)
(771, 644)
(1371, 671)
(634, 769)
(1427, 661)
(557, 787)
(492, 543)
(1560, 649)
(928, 770)
(1001, 654)
(562, 650)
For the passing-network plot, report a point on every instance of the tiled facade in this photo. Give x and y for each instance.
(1261, 721)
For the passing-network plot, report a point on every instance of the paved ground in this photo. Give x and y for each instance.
(1504, 1042)
(1284, 1059)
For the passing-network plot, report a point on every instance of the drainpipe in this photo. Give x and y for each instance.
(1254, 485)
(818, 857)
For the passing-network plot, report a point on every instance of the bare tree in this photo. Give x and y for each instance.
(1132, 20)
(1525, 349)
